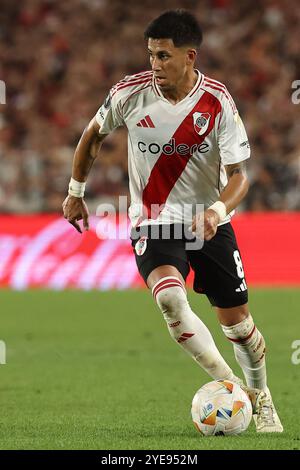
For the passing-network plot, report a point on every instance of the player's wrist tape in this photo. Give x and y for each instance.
(220, 208)
(76, 188)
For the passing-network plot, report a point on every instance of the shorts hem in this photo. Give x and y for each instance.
(226, 303)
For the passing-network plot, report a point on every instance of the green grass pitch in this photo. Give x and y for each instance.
(98, 370)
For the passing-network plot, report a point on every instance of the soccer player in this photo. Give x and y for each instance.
(187, 146)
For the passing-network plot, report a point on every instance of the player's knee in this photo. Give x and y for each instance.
(170, 296)
(241, 332)
(171, 301)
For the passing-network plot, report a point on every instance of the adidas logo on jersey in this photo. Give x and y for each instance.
(242, 287)
(146, 122)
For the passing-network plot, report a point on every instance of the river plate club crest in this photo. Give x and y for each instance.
(201, 122)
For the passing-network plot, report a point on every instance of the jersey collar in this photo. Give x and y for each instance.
(191, 93)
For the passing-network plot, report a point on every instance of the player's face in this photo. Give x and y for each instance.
(169, 63)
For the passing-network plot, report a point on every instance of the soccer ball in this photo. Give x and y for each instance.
(221, 408)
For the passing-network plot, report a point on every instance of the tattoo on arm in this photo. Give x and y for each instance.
(235, 169)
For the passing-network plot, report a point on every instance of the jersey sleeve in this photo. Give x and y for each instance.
(232, 137)
(109, 115)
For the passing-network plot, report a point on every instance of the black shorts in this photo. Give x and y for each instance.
(217, 266)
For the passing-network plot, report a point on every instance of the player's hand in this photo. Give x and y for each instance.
(205, 224)
(75, 208)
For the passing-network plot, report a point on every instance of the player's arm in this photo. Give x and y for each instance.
(74, 206)
(233, 193)
(87, 151)
(237, 186)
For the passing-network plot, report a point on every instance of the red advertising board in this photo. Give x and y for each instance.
(46, 251)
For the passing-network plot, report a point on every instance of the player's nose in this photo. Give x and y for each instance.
(156, 66)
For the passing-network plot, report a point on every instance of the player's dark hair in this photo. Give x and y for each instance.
(178, 25)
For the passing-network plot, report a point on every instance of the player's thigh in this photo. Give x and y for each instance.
(161, 272)
(219, 273)
(158, 258)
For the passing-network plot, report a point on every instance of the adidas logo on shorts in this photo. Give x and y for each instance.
(242, 287)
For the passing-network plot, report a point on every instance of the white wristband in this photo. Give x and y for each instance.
(220, 208)
(76, 188)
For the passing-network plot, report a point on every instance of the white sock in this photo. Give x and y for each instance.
(249, 350)
(188, 330)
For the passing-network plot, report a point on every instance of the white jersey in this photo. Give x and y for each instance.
(176, 153)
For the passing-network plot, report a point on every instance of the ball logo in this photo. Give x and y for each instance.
(141, 246)
(201, 122)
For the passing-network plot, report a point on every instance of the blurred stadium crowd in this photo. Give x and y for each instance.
(60, 58)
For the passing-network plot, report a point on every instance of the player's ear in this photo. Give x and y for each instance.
(191, 55)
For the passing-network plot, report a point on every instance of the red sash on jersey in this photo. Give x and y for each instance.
(168, 169)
